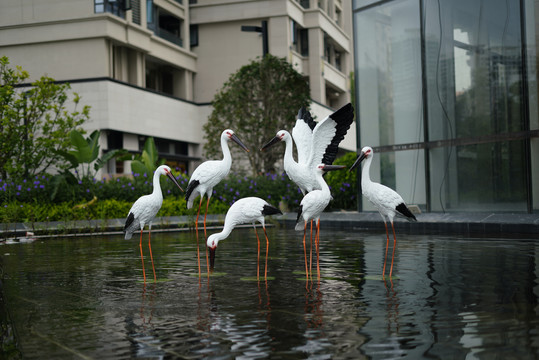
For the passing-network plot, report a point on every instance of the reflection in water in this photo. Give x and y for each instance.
(449, 298)
(392, 307)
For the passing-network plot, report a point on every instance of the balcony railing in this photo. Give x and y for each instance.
(168, 36)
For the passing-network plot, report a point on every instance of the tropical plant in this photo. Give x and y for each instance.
(85, 152)
(148, 161)
(257, 101)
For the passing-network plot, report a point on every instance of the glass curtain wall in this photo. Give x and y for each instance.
(444, 80)
(388, 67)
(474, 72)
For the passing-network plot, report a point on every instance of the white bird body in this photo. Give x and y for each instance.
(244, 211)
(387, 201)
(247, 210)
(315, 202)
(316, 143)
(210, 173)
(144, 210)
(146, 207)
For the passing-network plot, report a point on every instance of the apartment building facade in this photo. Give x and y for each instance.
(152, 67)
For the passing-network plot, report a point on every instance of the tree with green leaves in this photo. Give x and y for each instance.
(34, 122)
(258, 100)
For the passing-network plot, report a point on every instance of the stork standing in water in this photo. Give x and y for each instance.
(244, 211)
(387, 201)
(144, 210)
(316, 143)
(311, 207)
(207, 175)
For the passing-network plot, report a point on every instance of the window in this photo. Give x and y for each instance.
(299, 38)
(116, 7)
(193, 35)
(163, 24)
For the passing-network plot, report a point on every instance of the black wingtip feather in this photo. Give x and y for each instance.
(190, 187)
(401, 208)
(343, 112)
(129, 220)
(344, 117)
(305, 115)
(270, 210)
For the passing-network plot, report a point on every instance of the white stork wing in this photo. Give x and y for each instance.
(343, 118)
(302, 134)
(323, 133)
(328, 134)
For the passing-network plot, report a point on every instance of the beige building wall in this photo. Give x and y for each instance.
(112, 61)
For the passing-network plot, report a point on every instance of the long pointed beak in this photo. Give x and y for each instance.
(272, 142)
(171, 177)
(238, 141)
(358, 161)
(212, 257)
(333, 167)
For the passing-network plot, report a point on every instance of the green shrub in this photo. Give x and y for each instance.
(111, 198)
(343, 184)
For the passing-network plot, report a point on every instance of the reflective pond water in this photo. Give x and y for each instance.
(451, 297)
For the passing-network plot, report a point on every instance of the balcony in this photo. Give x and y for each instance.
(169, 36)
(164, 24)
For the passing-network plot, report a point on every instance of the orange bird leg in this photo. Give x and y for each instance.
(317, 242)
(258, 256)
(311, 254)
(142, 257)
(196, 230)
(394, 246)
(151, 256)
(385, 257)
(305, 251)
(206, 214)
(206, 238)
(267, 249)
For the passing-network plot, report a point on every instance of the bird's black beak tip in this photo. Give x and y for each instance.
(212, 257)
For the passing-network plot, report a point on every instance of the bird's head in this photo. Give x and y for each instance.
(230, 135)
(165, 170)
(211, 243)
(366, 152)
(280, 136)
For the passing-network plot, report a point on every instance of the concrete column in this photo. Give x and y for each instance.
(316, 65)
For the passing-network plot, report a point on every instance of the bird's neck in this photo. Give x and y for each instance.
(226, 150)
(227, 229)
(288, 156)
(365, 173)
(156, 185)
(323, 185)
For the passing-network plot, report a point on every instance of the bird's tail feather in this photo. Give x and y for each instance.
(404, 211)
(300, 223)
